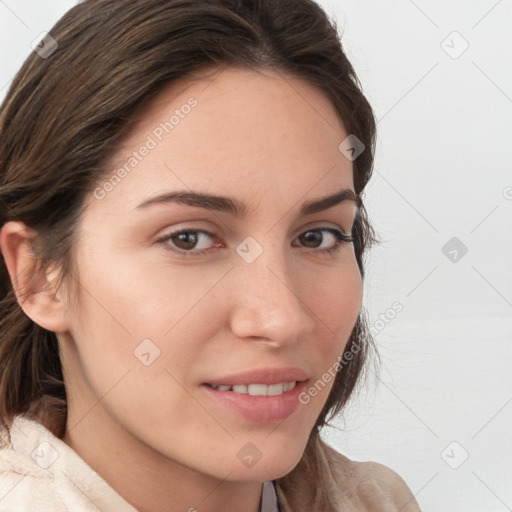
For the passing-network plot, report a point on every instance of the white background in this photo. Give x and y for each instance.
(443, 165)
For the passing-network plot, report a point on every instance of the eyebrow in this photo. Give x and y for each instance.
(239, 208)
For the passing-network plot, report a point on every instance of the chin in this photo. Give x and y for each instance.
(274, 462)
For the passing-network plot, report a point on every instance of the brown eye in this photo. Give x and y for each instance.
(185, 240)
(314, 237)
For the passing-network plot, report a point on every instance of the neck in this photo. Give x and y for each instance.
(146, 479)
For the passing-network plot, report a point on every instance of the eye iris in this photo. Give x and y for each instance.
(188, 236)
(312, 236)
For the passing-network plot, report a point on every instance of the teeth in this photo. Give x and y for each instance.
(275, 389)
(258, 389)
(289, 386)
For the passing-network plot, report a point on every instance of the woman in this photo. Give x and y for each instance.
(172, 336)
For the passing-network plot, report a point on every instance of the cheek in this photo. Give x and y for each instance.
(131, 349)
(336, 306)
(134, 298)
(142, 319)
(338, 297)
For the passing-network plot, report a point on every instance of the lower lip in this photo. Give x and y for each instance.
(259, 409)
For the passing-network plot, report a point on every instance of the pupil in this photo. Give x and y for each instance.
(311, 236)
(190, 236)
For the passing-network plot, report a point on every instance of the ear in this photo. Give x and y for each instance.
(36, 292)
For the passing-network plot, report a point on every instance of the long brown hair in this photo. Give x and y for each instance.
(66, 112)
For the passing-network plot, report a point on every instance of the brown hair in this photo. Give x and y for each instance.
(65, 114)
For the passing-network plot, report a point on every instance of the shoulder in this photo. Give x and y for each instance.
(374, 485)
(25, 488)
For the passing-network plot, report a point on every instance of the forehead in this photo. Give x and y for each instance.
(237, 132)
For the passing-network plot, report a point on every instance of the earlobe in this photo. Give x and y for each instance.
(35, 291)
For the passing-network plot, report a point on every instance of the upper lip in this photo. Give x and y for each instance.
(266, 376)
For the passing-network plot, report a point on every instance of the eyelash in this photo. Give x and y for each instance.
(341, 239)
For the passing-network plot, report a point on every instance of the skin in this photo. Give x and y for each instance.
(262, 137)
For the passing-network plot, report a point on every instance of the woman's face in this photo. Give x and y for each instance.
(162, 317)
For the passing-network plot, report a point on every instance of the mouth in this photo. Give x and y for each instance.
(260, 396)
(257, 389)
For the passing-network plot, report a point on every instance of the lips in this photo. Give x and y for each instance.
(258, 389)
(260, 395)
(264, 376)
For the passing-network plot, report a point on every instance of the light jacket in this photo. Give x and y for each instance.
(346, 485)
(39, 472)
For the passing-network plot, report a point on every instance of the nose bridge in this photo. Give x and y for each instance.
(270, 305)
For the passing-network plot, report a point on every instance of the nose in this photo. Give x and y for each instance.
(269, 305)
